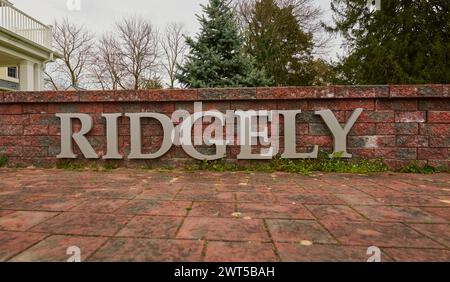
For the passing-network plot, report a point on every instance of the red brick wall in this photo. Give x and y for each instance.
(399, 123)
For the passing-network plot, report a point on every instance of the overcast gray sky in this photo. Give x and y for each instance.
(99, 15)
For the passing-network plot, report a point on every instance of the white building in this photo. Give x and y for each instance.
(25, 48)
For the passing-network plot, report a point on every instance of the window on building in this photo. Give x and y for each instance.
(12, 72)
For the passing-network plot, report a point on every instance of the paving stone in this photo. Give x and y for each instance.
(12, 243)
(377, 234)
(438, 232)
(23, 201)
(159, 194)
(331, 212)
(377, 191)
(5, 212)
(100, 205)
(113, 193)
(359, 199)
(412, 200)
(267, 210)
(397, 214)
(143, 215)
(24, 220)
(159, 227)
(211, 209)
(283, 188)
(295, 252)
(149, 250)
(255, 197)
(298, 231)
(55, 248)
(240, 252)
(150, 207)
(441, 212)
(310, 198)
(204, 196)
(396, 184)
(241, 187)
(425, 189)
(337, 188)
(83, 224)
(418, 255)
(223, 229)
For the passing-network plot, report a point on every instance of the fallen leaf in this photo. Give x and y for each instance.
(236, 214)
(306, 243)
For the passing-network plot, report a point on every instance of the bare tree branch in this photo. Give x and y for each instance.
(106, 67)
(137, 43)
(74, 43)
(174, 48)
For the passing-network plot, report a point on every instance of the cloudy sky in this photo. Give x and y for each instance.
(99, 15)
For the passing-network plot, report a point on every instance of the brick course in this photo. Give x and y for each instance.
(399, 123)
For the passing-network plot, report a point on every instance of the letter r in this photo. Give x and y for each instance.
(67, 135)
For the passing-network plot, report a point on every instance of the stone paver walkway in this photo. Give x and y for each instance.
(138, 215)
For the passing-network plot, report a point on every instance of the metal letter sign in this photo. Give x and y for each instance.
(252, 127)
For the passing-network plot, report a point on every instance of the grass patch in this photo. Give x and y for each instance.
(67, 165)
(416, 167)
(75, 166)
(306, 167)
(108, 166)
(3, 160)
(166, 169)
(323, 163)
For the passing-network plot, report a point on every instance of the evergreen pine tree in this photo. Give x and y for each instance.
(279, 45)
(216, 57)
(405, 42)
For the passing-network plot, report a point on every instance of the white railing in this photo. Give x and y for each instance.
(20, 23)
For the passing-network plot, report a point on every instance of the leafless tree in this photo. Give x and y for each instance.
(53, 78)
(106, 68)
(74, 44)
(174, 48)
(308, 15)
(244, 10)
(137, 45)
